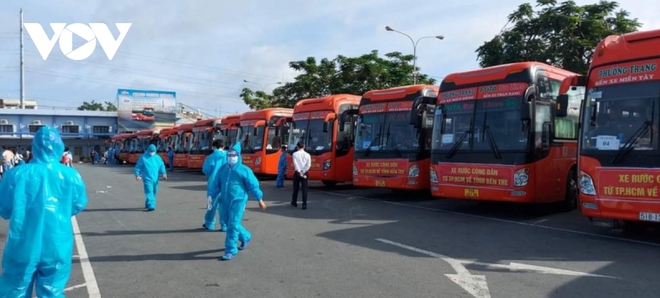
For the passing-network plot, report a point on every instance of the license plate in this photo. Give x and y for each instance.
(470, 192)
(380, 182)
(649, 216)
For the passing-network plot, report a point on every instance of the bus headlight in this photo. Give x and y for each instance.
(586, 184)
(257, 161)
(521, 177)
(326, 164)
(413, 172)
(434, 176)
(355, 172)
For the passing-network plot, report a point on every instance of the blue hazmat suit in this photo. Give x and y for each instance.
(39, 199)
(281, 170)
(96, 157)
(170, 159)
(232, 184)
(149, 167)
(217, 159)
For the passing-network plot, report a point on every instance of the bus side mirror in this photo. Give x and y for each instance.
(562, 106)
(526, 111)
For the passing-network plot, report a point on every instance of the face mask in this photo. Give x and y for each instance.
(232, 160)
(152, 153)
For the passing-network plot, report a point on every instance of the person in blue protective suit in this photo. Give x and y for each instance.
(170, 158)
(281, 168)
(96, 157)
(216, 160)
(111, 155)
(147, 170)
(231, 184)
(39, 246)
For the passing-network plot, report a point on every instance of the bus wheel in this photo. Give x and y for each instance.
(571, 199)
(329, 183)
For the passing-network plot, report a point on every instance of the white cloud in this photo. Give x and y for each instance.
(204, 51)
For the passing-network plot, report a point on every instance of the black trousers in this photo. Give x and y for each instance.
(297, 181)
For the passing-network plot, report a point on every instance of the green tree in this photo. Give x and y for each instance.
(354, 75)
(563, 35)
(97, 106)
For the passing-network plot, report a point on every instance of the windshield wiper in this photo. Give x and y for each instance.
(368, 150)
(634, 139)
(389, 140)
(491, 138)
(458, 144)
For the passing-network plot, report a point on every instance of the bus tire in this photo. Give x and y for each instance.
(571, 198)
(329, 183)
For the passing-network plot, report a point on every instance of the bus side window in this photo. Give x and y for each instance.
(542, 126)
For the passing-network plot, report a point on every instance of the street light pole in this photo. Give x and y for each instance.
(414, 43)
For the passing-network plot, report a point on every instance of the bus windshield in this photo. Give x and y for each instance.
(310, 133)
(252, 142)
(204, 140)
(389, 131)
(621, 115)
(496, 119)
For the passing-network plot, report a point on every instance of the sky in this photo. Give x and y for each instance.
(204, 51)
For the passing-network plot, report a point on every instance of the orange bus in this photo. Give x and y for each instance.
(227, 129)
(393, 136)
(203, 131)
(496, 137)
(163, 144)
(118, 144)
(142, 140)
(127, 148)
(262, 134)
(619, 156)
(183, 144)
(326, 126)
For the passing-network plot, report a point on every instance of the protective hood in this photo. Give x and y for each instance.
(151, 148)
(237, 147)
(47, 146)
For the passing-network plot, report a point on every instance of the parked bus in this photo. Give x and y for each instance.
(392, 145)
(203, 131)
(327, 128)
(118, 145)
(183, 144)
(496, 136)
(127, 149)
(619, 157)
(163, 144)
(227, 129)
(142, 140)
(262, 134)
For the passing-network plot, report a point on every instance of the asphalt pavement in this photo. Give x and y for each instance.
(350, 242)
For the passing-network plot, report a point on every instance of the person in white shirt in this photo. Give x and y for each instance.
(302, 161)
(7, 159)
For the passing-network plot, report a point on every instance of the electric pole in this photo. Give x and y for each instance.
(22, 65)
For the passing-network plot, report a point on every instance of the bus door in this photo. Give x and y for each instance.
(346, 132)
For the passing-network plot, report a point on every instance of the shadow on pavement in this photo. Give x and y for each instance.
(186, 256)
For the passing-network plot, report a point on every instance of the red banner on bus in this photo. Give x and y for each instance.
(624, 183)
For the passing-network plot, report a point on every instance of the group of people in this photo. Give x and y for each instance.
(10, 159)
(39, 246)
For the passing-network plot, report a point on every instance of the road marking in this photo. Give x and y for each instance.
(476, 285)
(350, 197)
(88, 272)
(74, 287)
(518, 267)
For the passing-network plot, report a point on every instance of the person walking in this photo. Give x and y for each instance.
(281, 168)
(39, 199)
(147, 170)
(231, 184)
(302, 161)
(170, 158)
(214, 161)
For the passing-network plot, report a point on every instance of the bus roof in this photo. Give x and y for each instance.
(205, 122)
(500, 72)
(186, 127)
(234, 118)
(330, 102)
(620, 48)
(265, 114)
(397, 92)
(144, 132)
